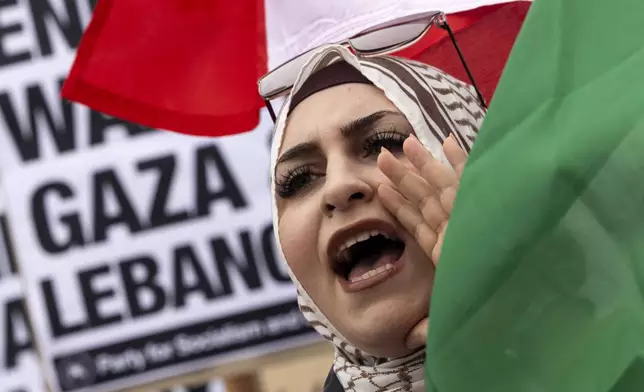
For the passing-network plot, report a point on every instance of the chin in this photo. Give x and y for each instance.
(382, 327)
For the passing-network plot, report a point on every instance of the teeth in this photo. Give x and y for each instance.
(343, 255)
(363, 236)
(372, 273)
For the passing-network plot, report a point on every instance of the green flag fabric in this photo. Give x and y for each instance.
(540, 286)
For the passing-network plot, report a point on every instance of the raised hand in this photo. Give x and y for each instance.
(422, 198)
(423, 193)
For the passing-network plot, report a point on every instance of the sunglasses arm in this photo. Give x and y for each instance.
(445, 26)
(270, 110)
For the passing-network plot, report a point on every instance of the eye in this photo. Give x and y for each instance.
(294, 180)
(392, 140)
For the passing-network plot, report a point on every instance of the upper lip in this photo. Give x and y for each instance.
(342, 235)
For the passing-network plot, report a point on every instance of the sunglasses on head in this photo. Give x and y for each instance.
(380, 40)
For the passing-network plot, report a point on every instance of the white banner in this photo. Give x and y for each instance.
(26, 379)
(19, 366)
(7, 260)
(143, 254)
(152, 258)
(5, 264)
(20, 369)
(38, 41)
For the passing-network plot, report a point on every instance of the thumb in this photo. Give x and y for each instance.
(417, 337)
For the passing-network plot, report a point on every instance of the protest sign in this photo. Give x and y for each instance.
(151, 258)
(7, 256)
(38, 41)
(26, 379)
(143, 254)
(19, 367)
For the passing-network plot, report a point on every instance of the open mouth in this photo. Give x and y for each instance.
(366, 255)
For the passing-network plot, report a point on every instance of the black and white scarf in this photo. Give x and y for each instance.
(436, 105)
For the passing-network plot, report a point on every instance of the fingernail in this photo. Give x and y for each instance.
(382, 149)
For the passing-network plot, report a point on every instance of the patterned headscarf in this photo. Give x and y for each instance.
(436, 105)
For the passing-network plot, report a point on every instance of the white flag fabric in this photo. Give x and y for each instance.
(294, 26)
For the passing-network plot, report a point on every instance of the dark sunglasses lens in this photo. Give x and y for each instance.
(283, 77)
(389, 37)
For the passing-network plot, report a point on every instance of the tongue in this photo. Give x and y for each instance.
(371, 262)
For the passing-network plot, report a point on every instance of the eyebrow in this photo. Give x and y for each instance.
(348, 130)
(362, 124)
(299, 150)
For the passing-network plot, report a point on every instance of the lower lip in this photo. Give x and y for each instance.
(353, 287)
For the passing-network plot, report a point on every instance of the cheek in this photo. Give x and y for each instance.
(377, 177)
(298, 238)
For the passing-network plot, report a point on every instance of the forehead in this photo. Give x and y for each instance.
(324, 112)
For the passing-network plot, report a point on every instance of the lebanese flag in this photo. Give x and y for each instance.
(192, 66)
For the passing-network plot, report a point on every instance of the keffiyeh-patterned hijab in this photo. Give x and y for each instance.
(436, 105)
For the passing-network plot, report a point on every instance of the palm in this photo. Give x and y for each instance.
(423, 192)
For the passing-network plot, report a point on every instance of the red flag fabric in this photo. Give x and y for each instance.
(485, 35)
(157, 63)
(192, 66)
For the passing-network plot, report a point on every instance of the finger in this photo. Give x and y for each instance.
(455, 155)
(410, 166)
(414, 188)
(438, 248)
(439, 175)
(398, 172)
(434, 172)
(409, 217)
(434, 213)
(458, 159)
(447, 199)
(417, 337)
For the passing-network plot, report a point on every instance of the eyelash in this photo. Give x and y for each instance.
(391, 140)
(287, 185)
(297, 178)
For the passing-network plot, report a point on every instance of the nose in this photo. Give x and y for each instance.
(344, 186)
